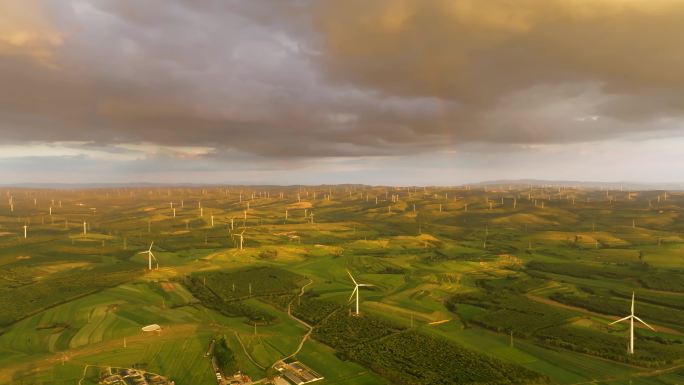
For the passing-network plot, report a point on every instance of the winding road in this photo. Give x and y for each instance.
(237, 336)
(308, 333)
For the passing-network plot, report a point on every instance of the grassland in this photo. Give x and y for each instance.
(520, 279)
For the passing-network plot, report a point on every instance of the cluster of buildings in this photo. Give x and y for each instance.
(128, 376)
(295, 373)
(237, 379)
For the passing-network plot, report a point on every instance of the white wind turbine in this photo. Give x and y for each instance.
(150, 256)
(356, 290)
(631, 319)
(242, 238)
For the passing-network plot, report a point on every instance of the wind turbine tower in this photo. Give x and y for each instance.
(631, 319)
(150, 257)
(242, 238)
(356, 291)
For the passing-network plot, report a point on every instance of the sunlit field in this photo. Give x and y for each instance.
(498, 284)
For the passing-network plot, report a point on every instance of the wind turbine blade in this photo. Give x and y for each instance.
(366, 284)
(352, 278)
(640, 320)
(620, 320)
(151, 244)
(353, 292)
(143, 252)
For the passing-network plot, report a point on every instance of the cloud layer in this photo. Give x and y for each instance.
(282, 84)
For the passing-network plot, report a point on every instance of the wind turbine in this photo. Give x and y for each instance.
(631, 319)
(356, 291)
(242, 238)
(150, 256)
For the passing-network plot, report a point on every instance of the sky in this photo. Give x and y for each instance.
(398, 92)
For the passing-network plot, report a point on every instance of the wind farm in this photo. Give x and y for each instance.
(536, 303)
(342, 192)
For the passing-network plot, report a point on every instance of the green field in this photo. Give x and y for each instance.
(506, 291)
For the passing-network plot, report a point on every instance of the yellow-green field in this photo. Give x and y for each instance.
(530, 286)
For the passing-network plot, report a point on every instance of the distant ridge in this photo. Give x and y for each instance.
(517, 183)
(584, 184)
(154, 185)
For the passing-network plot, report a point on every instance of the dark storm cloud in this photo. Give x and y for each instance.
(291, 79)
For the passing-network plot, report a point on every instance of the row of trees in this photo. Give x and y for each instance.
(225, 357)
(651, 351)
(405, 356)
(234, 308)
(501, 305)
(60, 288)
